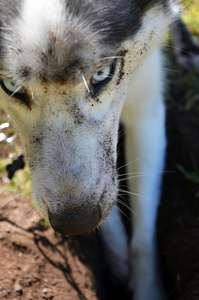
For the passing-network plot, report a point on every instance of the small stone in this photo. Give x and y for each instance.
(19, 289)
(6, 180)
(45, 290)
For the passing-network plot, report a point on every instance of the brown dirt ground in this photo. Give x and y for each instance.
(36, 263)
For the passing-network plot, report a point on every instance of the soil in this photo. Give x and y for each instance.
(37, 263)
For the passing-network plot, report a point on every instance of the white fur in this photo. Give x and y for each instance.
(117, 244)
(70, 138)
(144, 118)
(145, 144)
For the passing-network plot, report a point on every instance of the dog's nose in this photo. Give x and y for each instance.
(75, 223)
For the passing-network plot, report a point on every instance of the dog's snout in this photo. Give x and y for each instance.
(75, 223)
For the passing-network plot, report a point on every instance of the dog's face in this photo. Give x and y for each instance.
(65, 71)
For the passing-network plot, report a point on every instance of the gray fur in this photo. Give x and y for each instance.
(104, 25)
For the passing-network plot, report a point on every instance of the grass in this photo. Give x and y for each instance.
(44, 223)
(21, 181)
(193, 175)
(191, 16)
(183, 84)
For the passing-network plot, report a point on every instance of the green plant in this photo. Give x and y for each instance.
(193, 175)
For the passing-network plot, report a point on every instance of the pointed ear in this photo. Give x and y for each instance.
(155, 23)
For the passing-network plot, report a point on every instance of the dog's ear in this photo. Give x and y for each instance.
(185, 47)
(154, 25)
(123, 19)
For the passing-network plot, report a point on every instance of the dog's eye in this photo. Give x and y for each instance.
(102, 75)
(12, 87)
(15, 90)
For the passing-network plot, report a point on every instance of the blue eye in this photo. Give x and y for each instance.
(13, 87)
(102, 75)
(16, 91)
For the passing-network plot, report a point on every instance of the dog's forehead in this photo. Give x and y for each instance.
(60, 39)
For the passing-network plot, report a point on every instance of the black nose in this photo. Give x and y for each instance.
(75, 223)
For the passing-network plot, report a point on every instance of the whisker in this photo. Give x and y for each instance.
(110, 57)
(178, 49)
(17, 89)
(104, 224)
(137, 195)
(175, 71)
(153, 173)
(25, 206)
(86, 84)
(133, 161)
(131, 177)
(30, 212)
(32, 94)
(130, 174)
(13, 199)
(127, 206)
(116, 206)
(122, 213)
(137, 175)
(129, 193)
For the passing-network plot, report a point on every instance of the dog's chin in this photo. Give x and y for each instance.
(75, 220)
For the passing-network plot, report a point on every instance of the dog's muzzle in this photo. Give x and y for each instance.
(75, 223)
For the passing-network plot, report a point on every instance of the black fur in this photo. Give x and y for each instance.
(121, 18)
(188, 45)
(92, 22)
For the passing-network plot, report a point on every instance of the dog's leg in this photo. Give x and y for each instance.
(144, 120)
(116, 242)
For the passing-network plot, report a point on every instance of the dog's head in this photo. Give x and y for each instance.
(65, 71)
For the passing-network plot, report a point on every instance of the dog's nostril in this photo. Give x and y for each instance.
(75, 223)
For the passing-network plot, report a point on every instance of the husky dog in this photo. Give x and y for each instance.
(70, 71)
